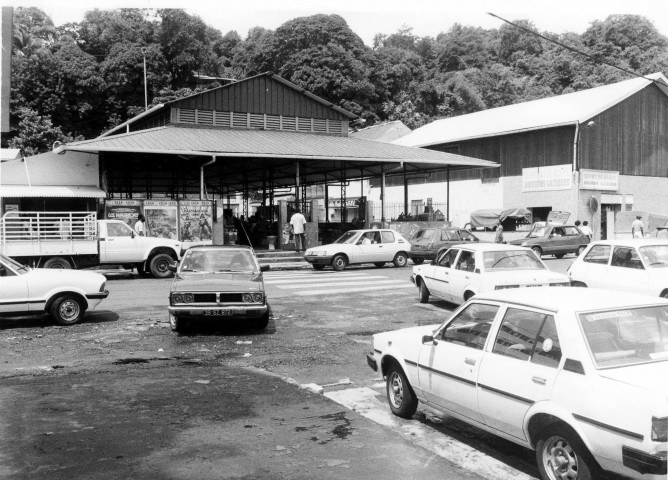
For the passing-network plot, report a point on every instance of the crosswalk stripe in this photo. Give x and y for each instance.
(344, 284)
(330, 291)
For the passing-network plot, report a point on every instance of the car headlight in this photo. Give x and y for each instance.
(258, 297)
(177, 298)
(660, 429)
(188, 297)
(247, 297)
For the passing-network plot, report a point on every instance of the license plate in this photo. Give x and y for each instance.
(217, 313)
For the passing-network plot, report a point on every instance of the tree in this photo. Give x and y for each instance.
(36, 133)
(183, 39)
(33, 30)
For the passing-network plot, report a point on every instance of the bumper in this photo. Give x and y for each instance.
(319, 260)
(235, 311)
(94, 299)
(426, 256)
(413, 279)
(371, 361)
(643, 462)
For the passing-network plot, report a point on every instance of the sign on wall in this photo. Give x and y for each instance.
(161, 218)
(542, 179)
(126, 210)
(195, 220)
(599, 180)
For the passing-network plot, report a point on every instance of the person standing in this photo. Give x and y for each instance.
(298, 221)
(638, 228)
(140, 225)
(586, 230)
(498, 238)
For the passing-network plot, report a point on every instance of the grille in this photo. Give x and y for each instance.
(224, 298)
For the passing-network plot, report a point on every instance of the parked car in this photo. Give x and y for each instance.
(64, 294)
(632, 265)
(218, 283)
(576, 375)
(426, 242)
(466, 270)
(660, 232)
(557, 240)
(377, 246)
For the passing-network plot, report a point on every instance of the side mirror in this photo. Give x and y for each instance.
(264, 268)
(172, 266)
(428, 339)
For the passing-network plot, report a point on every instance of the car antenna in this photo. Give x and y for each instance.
(250, 244)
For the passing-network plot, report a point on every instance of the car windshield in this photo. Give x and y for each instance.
(427, 234)
(538, 232)
(218, 260)
(21, 269)
(627, 336)
(512, 260)
(348, 237)
(655, 256)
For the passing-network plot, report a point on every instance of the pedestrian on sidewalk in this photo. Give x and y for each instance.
(298, 221)
(586, 230)
(638, 228)
(498, 238)
(140, 225)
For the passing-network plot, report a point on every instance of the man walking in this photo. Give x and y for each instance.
(298, 221)
(586, 230)
(638, 228)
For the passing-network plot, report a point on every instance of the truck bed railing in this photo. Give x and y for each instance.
(47, 226)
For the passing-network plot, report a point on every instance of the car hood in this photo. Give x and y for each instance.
(519, 241)
(66, 276)
(648, 376)
(405, 335)
(527, 276)
(227, 281)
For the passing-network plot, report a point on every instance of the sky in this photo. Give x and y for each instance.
(370, 17)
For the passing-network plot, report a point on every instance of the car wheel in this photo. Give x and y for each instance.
(57, 262)
(558, 255)
(318, 267)
(176, 323)
(538, 251)
(424, 292)
(581, 249)
(418, 261)
(561, 455)
(262, 322)
(400, 395)
(160, 265)
(67, 310)
(400, 260)
(339, 262)
(379, 264)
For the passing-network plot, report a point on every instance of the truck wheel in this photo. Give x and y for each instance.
(159, 265)
(57, 262)
(67, 310)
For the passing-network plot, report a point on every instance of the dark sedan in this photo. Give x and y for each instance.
(557, 240)
(218, 283)
(426, 242)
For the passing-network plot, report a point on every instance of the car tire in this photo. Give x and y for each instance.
(176, 323)
(581, 249)
(159, 265)
(561, 454)
(418, 261)
(57, 262)
(339, 262)
(318, 267)
(400, 260)
(558, 255)
(379, 264)
(67, 310)
(423, 292)
(538, 251)
(262, 322)
(400, 394)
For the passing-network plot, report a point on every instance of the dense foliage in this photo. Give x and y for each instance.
(80, 79)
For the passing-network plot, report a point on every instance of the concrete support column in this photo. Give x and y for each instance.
(382, 195)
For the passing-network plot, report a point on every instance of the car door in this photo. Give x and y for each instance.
(448, 368)
(626, 271)
(464, 274)
(120, 244)
(556, 241)
(594, 266)
(14, 292)
(388, 246)
(437, 276)
(526, 344)
(573, 239)
(366, 249)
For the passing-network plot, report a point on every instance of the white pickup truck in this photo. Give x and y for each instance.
(80, 240)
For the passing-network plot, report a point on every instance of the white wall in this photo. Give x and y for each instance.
(71, 168)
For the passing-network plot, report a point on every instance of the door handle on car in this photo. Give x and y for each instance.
(469, 361)
(538, 380)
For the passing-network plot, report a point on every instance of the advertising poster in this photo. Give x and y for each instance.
(195, 220)
(126, 210)
(161, 218)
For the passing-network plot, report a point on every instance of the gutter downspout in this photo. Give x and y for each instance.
(201, 176)
(575, 146)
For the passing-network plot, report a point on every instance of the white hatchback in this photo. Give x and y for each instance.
(632, 265)
(377, 246)
(65, 294)
(465, 270)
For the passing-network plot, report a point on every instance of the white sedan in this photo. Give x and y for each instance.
(632, 265)
(65, 294)
(466, 270)
(377, 246)
(576, 375)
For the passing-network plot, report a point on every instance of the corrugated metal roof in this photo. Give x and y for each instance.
(538, 114)
(383, 132)
(21, 191)
(174, 140)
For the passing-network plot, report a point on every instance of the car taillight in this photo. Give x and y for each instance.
(660, 429)
(560, 284)
(503, 287)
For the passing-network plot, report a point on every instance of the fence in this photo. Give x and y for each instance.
(418, 212)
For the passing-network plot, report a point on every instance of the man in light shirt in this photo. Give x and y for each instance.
(638, 228)
(298, 221)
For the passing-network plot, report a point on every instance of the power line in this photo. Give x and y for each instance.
(575, 50)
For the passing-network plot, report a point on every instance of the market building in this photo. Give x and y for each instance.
(593, 153)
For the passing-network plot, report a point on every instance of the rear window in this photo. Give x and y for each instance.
(388, 237)
(424, 234)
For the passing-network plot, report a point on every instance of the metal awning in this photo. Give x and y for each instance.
(39, 191)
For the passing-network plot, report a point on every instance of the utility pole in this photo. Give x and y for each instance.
(143, 52)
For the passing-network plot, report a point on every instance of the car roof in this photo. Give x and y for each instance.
(570, 298)
(632, 242)
(220, 247)
(490, 247)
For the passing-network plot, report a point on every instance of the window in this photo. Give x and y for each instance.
(466, 236)
(466, 261)
(388, 237)
(598, 254)
(449, 235)
(655, 256)
(424, 234)
(471, 326)
(118, 230)
(528, 335)
(626, 257)
(448, 258)
(558, 232)
(571, 231)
